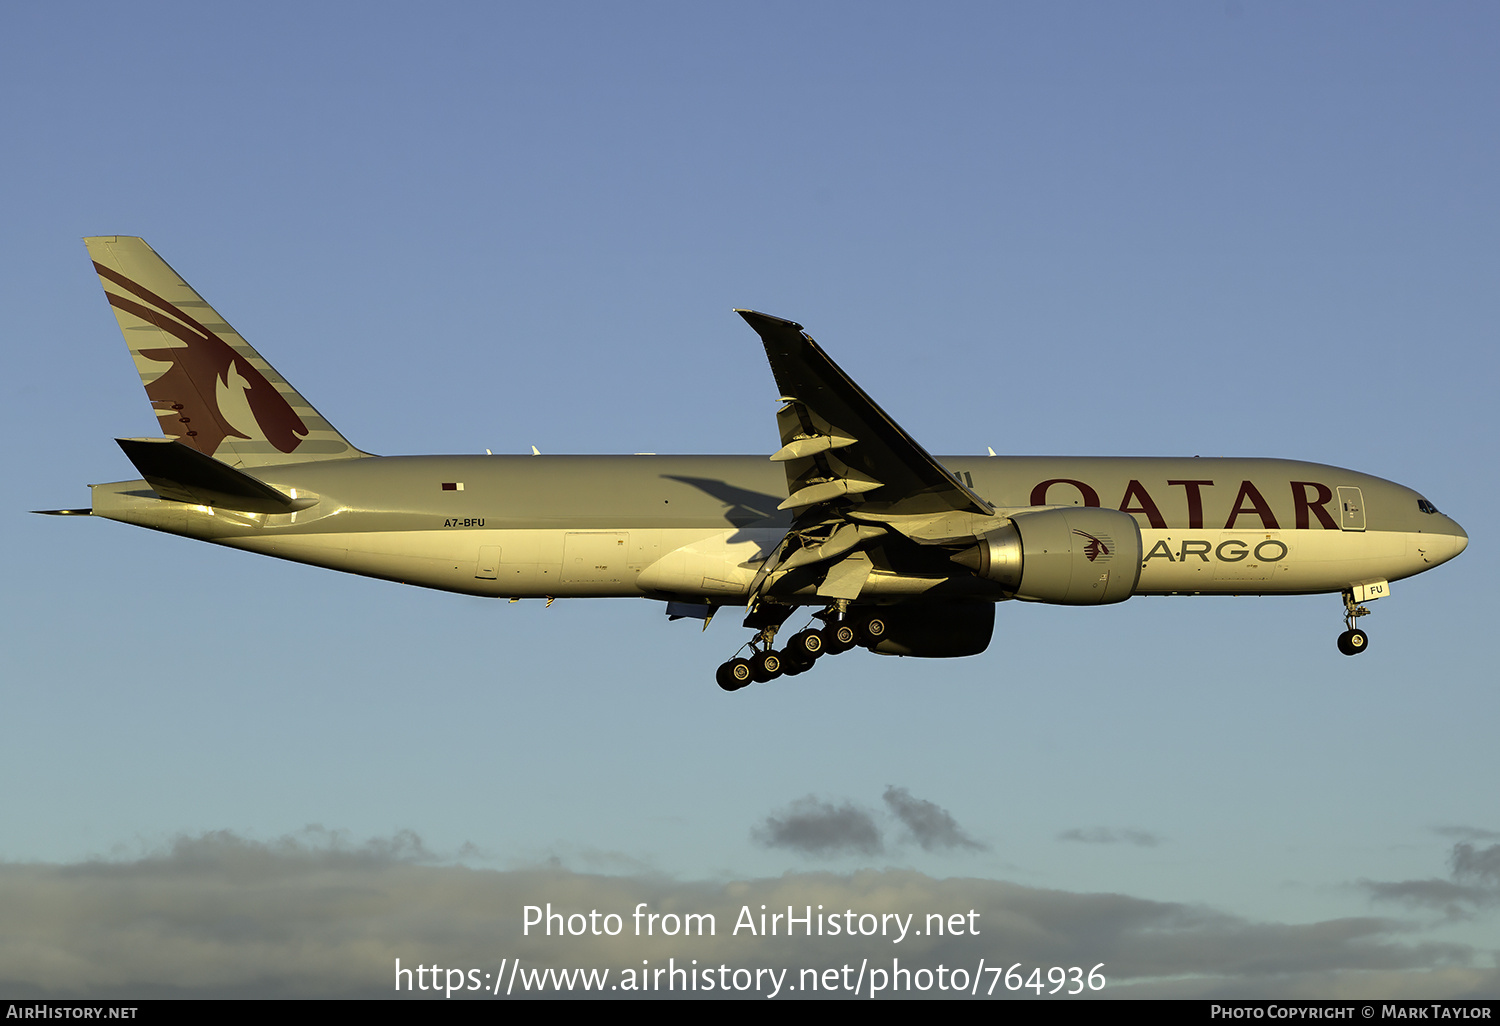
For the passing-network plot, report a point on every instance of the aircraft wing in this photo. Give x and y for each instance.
(852, 473)
(840, 448)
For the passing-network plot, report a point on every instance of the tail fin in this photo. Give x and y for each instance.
(208, 386)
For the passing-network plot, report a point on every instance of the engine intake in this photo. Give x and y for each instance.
(1074, 556)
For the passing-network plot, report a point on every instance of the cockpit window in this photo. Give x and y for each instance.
(1425, 506)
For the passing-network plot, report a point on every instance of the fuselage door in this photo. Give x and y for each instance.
(1351, 509)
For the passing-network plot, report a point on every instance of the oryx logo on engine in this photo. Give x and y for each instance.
(1095, 548)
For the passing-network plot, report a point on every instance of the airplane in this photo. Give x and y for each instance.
(891, 548)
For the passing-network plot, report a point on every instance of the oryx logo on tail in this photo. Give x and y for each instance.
(206, 375)
(208, 386)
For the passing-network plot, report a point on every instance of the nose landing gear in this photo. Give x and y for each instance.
(1353, 641)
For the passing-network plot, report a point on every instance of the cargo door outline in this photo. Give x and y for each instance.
(1351, 509)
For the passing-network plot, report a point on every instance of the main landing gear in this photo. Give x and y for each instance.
(839, 634)
(1353, 641)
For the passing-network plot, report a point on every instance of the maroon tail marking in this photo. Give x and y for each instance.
(189, 387)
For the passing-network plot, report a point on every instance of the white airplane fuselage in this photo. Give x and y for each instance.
(894, 549)
(697, 528)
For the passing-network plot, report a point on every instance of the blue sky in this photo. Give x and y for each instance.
(1150, 229)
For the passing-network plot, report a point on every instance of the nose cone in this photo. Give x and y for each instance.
(1460, 540)
(1445, 544)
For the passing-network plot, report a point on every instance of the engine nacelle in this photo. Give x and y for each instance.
(938, 630)
(1074, 556)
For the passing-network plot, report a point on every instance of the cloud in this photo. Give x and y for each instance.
(1104, 835)
(1449, 898)
(317, 916)
(814, 827)
(929, 825)
(1467, 833)
(1482, 865)
(1475, 884)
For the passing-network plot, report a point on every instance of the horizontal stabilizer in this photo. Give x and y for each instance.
(64, 512)
(183, 474)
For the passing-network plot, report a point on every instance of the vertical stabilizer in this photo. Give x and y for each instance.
(208, 387)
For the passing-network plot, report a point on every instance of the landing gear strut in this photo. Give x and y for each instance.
(1353, 641)
(840, 633)
(765, 663)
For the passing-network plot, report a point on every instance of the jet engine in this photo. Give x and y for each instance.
(1073, 556)
(936, 631)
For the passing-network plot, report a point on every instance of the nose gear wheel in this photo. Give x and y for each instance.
(1353, 641)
